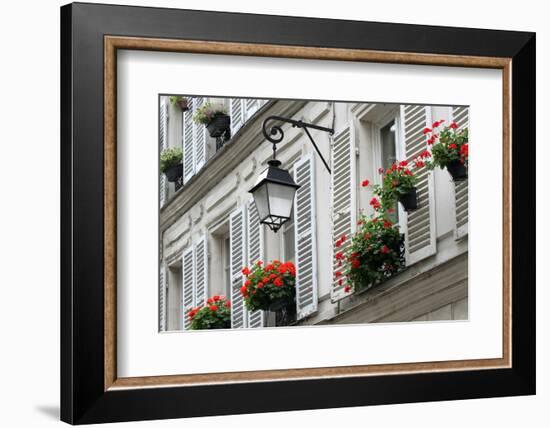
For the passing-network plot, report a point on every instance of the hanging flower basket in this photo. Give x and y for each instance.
(219, 125)
(458, 170)
(409, 200)
(270, 287)
(171, 163)
(214, 117)
(398, 184)
(215, 314)
(174, 173)
(449, 149)
(181, 102)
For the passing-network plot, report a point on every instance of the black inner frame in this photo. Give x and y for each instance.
(83, 399)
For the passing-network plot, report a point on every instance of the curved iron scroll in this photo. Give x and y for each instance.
(275, 133)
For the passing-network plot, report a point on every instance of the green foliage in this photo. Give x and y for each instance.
(373, 255)
(447, 146)
(215, 314)
(175, 98)
(276, 282)
(170, 157)
(205, 113)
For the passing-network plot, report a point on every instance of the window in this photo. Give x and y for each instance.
(226, 266)
(288, 241)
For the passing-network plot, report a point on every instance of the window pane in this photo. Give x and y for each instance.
(387, 139)
(288, 244)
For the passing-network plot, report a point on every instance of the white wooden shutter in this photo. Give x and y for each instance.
(421, 234)
(254, 253)
(251, 106)
(163, 281)
(236, 111)
(188, 142)
(461, 116)
(163, 144)
(188, 286)
(201, 270)
(343, 195)
(199, 136)
(237, 260)
(305, 237)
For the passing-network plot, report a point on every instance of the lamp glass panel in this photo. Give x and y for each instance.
(281, 199)
(262, 203)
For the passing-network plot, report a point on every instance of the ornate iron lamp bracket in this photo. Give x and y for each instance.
(275, 134)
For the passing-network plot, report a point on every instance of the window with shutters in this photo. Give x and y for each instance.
(220, 270)
(237, 255)
(163, 144)
(199, 139)
(195, 289)
(390, 149)
(236, 111)
(162, 298)
(461, 116)
(255, 253)
(188, 142)
(188, 283)
(343, 197)
(305, 237)
(420, 236)
(241, 110)
(226, 266)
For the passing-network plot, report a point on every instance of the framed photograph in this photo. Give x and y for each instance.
(273, 213)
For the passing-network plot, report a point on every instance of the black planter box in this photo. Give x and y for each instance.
(219, 125)
(458, 170)
(409, 200)
(174, 173)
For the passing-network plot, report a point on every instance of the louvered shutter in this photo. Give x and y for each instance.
(188, 142)
(163, 144)
(199, 136)
(188, 286)
(236, 111)
(162, 298)
(254, 253)
(251, 106)
(201, 270)
(343, 196)
(237, 256)
(420, 236)
(305, 238)
(461, 116)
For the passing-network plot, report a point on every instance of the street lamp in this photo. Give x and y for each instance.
(275, 188)
(274, 195)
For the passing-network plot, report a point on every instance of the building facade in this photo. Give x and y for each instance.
(209, 227)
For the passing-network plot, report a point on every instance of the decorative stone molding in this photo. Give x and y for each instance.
(250, 169)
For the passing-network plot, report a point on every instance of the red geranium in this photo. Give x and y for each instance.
(451, 147)
(264, 285)
(216, 313)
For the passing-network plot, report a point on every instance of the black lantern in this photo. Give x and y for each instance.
(274, 195)
(275, 189)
